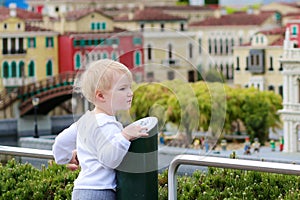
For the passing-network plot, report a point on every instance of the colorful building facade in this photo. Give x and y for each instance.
(28, 53)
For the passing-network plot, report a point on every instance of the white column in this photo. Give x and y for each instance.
(291, 89)
(294, 137)
(285, 89)
(286, 136)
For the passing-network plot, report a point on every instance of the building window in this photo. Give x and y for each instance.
(142, 26)
(114, 56)
(181, 26)
(216, 46)
(226, 46)
(13, 69)
(13, 45)
(280, 90)
(240, 41)
(31, 43)
(190, 50)
(170, 51)
(77, 61)
(149, 52)
(137, 41)
(5, 46)
(200, 45)
(18, 26)
(191, 76)
(271, 88)
(49, 68)
(104, 55)
(31, 69)
(93, 26)
(103, 25)
(232, 45)
(171, 75)
(137, 58)
(21, 69)
(56, 9)
(280, 68)
(271, 64)
(162, 27)
(150, 76)
(237, 63)
(4, 26)
(5, 70)
(221, 46)
(247, 63)
(294, 30)
(49, 42)
(209, 46)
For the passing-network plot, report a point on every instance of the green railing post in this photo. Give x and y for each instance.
(137, 176)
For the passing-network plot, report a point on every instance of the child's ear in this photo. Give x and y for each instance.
(100, 96)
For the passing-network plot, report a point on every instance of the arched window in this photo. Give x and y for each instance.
(21, 72)
(13, 69)
(5, 70)
(104, 55)
(137, 58)
(77, 61)
(31, 69)
(49, 68)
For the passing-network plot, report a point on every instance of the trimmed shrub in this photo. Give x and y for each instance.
(23, 181)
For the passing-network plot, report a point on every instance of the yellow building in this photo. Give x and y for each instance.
(28, 53)
(170, 50)
(256, 64)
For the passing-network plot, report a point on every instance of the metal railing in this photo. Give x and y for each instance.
(271, 167)
(26, 152)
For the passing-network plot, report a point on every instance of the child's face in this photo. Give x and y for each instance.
(120, 95)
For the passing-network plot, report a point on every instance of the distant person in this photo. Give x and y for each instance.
(281, 143)
(256, 145)
(272, 145)
(247, 146)
(101, 141)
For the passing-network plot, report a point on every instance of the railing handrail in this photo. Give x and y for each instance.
(261, 166)
(26, 152)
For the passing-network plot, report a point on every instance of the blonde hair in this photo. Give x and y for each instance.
(99, 76)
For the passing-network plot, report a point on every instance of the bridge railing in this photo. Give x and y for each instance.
(27, 91)
(271, 167)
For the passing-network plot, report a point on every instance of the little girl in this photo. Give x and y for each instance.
(100, 140)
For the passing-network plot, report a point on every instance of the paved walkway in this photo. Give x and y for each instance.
(167, 153)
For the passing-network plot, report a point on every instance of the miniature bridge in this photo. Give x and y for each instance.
(51, 93)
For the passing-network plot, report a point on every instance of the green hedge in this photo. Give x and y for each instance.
(23, 181)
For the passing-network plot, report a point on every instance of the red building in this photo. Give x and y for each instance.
(96, 38)
(293, 27)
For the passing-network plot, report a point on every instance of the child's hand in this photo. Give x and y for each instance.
(74, 159)
(74, 163)
(132, 132)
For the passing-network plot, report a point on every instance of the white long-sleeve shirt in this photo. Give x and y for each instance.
(100, 149)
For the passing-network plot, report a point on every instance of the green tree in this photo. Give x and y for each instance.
(259, 113)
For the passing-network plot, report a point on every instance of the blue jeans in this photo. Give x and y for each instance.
(86, 194)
